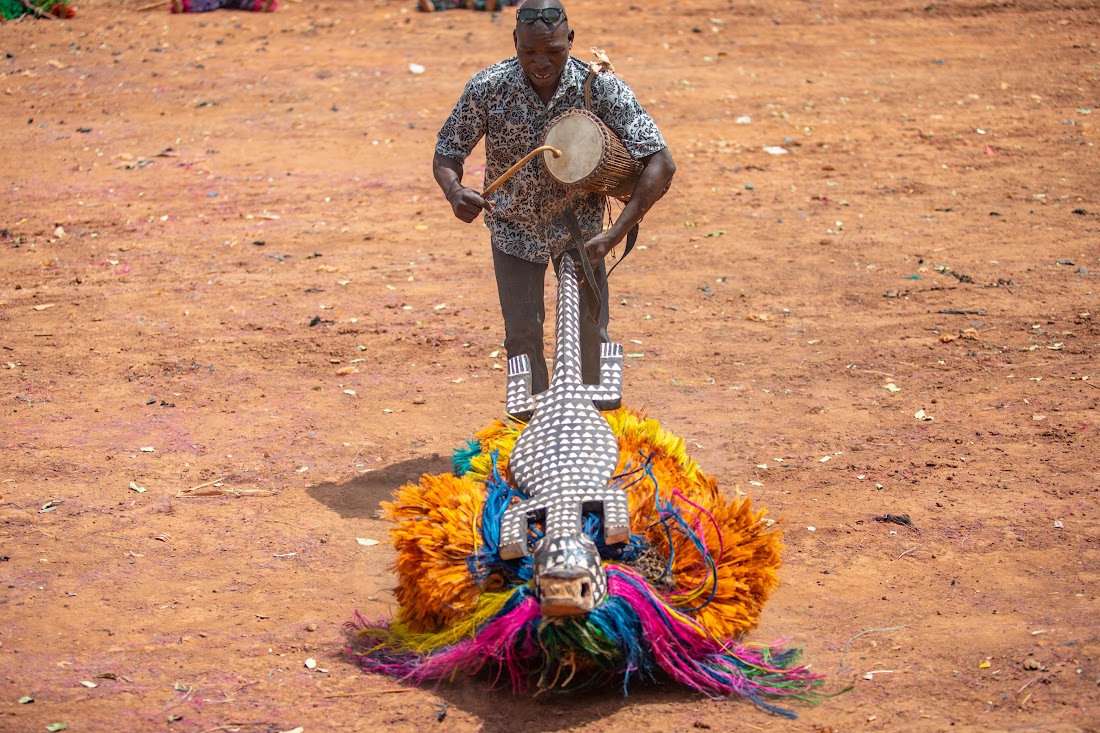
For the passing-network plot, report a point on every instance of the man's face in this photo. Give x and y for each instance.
(543, 53)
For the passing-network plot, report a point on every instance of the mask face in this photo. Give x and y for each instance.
(569, 576)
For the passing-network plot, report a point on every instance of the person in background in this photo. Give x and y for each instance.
(430, 6)
(203, 6)
(13, 9)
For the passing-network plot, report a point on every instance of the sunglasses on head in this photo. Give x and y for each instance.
(550, 16)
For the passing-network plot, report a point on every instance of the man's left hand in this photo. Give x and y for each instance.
(598, 247)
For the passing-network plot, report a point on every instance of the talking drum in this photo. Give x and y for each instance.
(592, 157)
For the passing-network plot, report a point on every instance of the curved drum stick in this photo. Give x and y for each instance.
(522, 162)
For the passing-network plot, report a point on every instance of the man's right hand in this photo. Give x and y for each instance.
(467, 204)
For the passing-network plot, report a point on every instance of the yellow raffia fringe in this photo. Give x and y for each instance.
(438, 528)
(639, 436)
(399, 636)
(496, 436)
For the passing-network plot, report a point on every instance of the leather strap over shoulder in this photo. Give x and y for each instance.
(600, 65)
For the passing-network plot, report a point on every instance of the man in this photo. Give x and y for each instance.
(510, 104)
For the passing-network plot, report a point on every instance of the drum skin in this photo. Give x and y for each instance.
(592, 157)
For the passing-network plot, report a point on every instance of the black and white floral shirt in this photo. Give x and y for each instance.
(500, 105)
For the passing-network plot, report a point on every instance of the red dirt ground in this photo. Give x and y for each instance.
(208, 218)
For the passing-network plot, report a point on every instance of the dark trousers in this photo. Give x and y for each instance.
(521, 287)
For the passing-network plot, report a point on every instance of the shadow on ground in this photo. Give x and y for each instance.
(502, 711)
(362, 496)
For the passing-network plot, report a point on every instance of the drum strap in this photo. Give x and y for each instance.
(593, 293)
(602, 64)
(631, 240)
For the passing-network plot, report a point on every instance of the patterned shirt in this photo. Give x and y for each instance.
(500, 105)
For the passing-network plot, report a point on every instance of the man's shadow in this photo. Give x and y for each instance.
(361, 497)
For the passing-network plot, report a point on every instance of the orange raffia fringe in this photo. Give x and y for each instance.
(438, 523)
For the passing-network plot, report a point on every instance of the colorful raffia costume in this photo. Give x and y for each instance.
(577, 549)
(12, 9)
